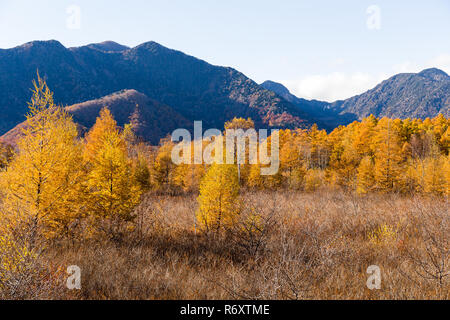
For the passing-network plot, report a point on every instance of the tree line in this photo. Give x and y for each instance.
(372, 155)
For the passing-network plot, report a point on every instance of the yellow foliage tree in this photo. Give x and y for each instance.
(388, 156)
(239, 123)
(41, 183)
(291, 165)
(219, 197)
(111, 191)
(365, 177)
(314, 179)
(447, 175)
(163, 169)
(254, 179)
(435, 180)
(188, 176)
(141, 172)
(6, 154)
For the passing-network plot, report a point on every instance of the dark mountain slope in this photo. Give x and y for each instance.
(151, 120)
(406, 95)
(197, 90)
(192, 87)
(320, 110)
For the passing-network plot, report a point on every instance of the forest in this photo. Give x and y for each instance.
(374, 192)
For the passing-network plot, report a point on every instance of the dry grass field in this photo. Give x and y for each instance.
(287, 245)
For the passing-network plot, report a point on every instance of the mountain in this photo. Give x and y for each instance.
(191, 87)
(321, 111)
(281, 90)
(405, 95)
(173, 88)
(108, 46)
(151, 120)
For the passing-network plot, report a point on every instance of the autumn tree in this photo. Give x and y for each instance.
(41, 183)
(388, 156)
(314, 179)
(319, 153)
(218, 199)
(163, 169)
(138, 154)
(254, 179)
(365, 176)
(141, 172)
(244, 125)
(188, 176)
(111, 192)
(6, 155)
(433, 174)
(345, 158)
(446, 175)
(291, 164)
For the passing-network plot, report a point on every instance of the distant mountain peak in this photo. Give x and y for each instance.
(434, 74)
(406, 95)
(276, 87)
(153, 47)
(108, 46)
(279, 89)
(48, 44)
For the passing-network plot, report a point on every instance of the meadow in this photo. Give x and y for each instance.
(308, 246)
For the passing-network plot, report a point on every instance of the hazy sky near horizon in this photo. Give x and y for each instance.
(325, 50)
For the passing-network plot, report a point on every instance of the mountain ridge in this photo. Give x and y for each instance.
(192, 87)
(404, 95)
(149, 118)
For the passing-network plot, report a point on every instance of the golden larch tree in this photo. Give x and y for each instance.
(219, 197)
(42, 181)
(388, 156)
(111, 191)
(365, 176)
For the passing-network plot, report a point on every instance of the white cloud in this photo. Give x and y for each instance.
(341, 85)
(332, 87)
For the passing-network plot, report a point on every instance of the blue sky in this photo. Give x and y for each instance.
(320, 49)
